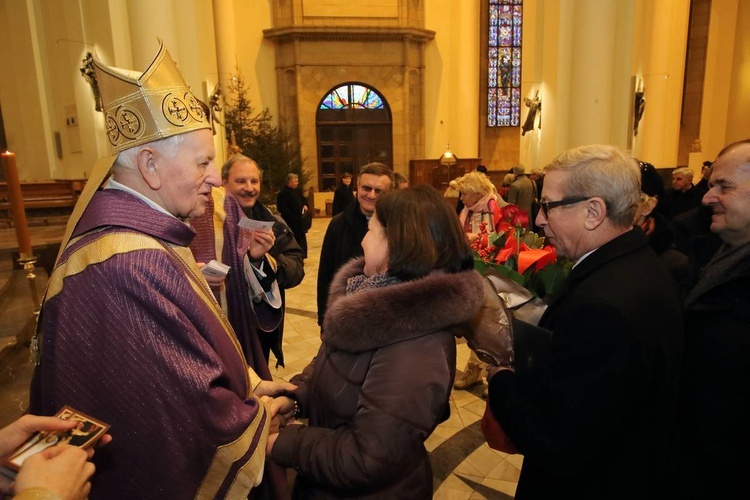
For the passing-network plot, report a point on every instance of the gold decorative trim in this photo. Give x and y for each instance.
(153, 105)
(110, 244)
(95, 252)
(36, 493)
(200, 286)
(250, 474)
(218, 195)
(254, 378)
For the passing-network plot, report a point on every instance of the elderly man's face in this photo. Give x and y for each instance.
(563, 225)
(681, 182)
(243, 182)
(188, 177)
(369, 187)
(729, 196)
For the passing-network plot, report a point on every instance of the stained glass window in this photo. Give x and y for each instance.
(352, 96)
(504, 68)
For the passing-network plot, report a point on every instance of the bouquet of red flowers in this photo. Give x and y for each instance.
(516, 252)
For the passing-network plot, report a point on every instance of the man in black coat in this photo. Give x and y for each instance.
(292, 206)
(343, 196)
(706, 170)
(595, 421)
(715, 397)
(243, 179)
(343, 239)
(683, 196)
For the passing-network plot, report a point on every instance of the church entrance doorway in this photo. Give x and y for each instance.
(354, 127)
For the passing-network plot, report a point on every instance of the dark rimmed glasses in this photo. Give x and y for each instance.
(549, 205)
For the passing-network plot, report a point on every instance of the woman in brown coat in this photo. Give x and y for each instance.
(382, 377)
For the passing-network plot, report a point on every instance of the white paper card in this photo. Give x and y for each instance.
(215, 269)
(252, 224)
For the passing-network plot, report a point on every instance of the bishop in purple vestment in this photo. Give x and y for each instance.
(130, 332)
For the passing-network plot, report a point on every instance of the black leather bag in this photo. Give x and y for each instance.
(306, 220)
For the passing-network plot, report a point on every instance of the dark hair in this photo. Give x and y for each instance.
(376, 168)
(423, 233)
(651, 182)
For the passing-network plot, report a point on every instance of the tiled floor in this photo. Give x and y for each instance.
(464, 466)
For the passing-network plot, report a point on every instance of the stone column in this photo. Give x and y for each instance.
(592, 71)
(226, 41)
(664, 32)
(148, 20)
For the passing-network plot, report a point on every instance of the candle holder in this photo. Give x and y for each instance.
(28, 261)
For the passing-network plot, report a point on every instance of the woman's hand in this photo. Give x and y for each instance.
(19, 431)
(281, 406)
(271, 441)
(63, 469)
(273, 388)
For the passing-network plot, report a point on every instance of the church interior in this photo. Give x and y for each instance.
(432, 88)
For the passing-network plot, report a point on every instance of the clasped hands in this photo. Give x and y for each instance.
(280, 406)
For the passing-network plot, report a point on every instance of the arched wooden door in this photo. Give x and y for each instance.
(353, 124)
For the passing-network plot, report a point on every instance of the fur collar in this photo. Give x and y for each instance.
(375, 318)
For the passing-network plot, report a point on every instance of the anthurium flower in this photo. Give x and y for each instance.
(504, 254)
(528, 258)
(519, 254)
(550, 257)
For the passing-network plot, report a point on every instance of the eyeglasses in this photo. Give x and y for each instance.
(549, 205)
(369, 189)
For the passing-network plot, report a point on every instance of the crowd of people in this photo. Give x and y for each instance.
(644, 394)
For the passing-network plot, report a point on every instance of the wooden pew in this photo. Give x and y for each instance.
(43, 197)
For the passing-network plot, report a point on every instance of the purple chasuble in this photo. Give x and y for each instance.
(208, 228)
(211, 227)
(131, 335)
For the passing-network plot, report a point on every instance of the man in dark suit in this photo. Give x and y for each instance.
(292, 206)
(343, 239)
(343, 195)
(706, 170)
(683, 196)
(595, 420)
(715, 381)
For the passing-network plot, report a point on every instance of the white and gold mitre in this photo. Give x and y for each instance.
(155, 105)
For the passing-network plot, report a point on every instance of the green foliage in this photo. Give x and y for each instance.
(548, 279)
(272, 147)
